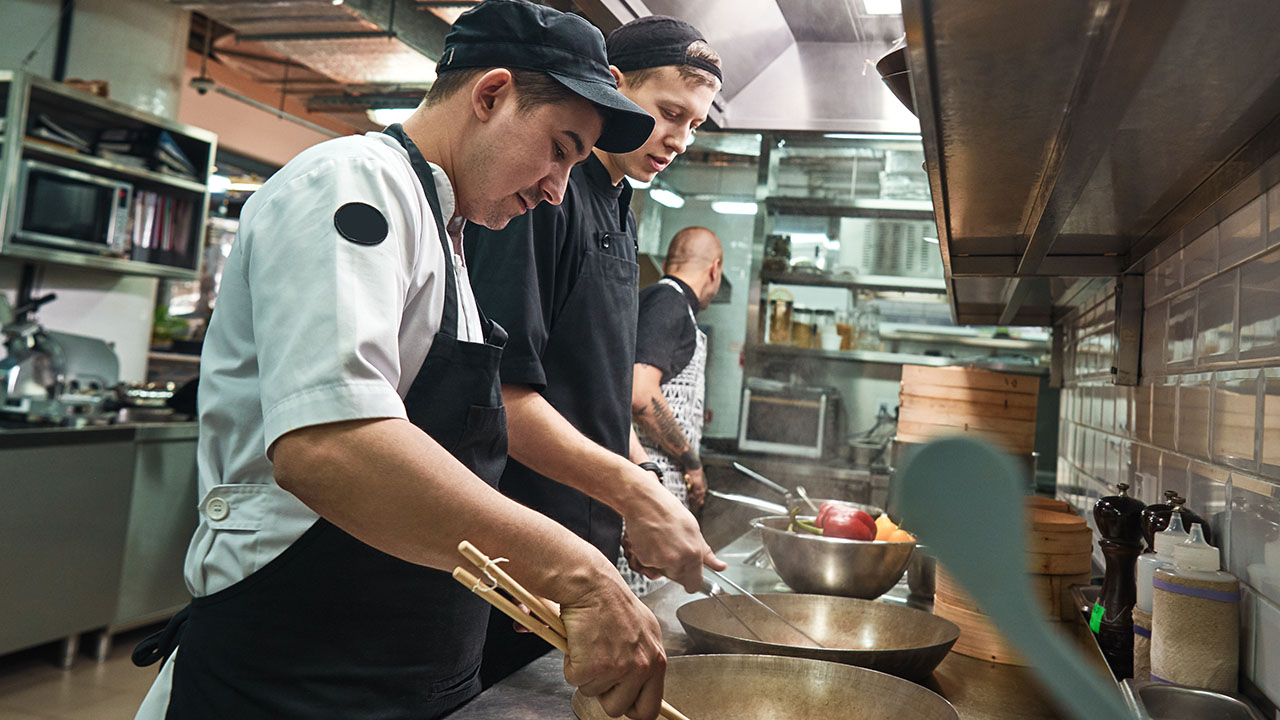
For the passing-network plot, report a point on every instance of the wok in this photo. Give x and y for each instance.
(792, 503)
(763, 687)
(890, 638)
(833, 566)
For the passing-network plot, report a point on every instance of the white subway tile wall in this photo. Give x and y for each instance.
(1204, 420)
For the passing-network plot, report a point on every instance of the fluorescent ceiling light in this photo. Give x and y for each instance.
(389, 116)
(219, 184)
(883, 7)
(729, 207)
(244, 186)
(666, 197)
(870, 136)
(639, 184)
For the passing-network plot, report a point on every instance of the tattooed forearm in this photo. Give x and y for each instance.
(660, 424)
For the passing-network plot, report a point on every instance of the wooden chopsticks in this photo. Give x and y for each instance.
(553, 631)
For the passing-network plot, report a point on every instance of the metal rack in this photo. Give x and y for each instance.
(19, 92)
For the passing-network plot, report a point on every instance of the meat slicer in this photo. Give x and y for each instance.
(50, 377)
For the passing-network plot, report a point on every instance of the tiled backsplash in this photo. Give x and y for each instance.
(1205, 419)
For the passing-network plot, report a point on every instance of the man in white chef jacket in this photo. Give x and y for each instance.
(351, 424)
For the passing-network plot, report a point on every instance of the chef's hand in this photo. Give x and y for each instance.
(665, 536)
(615, 650)
(636, 565)
(695, 489)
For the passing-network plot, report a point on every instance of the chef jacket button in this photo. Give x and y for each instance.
(217, 509)
(604, 240)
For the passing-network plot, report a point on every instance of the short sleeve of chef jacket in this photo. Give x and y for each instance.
(327, 312)
(665, 336)
(522, 276)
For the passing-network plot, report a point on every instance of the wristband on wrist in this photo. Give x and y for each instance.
(653, 468)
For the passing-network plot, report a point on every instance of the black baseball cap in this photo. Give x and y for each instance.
(655, 41)
(521, 35)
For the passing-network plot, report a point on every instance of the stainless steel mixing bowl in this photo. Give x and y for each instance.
(890, 638)
(833, 566)
(763, 687)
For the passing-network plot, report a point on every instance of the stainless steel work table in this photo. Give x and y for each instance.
(978, 690)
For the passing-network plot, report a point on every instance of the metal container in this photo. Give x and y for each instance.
(890, 638)
(764, 687)
(833, 566)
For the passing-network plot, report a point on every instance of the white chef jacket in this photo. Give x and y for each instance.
(310, 328)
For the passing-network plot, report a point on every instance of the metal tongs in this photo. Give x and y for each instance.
(713, 590)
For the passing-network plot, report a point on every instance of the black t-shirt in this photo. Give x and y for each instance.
(523, 274)
(666, 336)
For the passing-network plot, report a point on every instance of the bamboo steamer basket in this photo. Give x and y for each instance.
(1059, 546)
(940, 401)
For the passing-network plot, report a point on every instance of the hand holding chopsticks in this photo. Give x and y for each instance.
(541, 620)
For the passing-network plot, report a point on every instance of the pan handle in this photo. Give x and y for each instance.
(762, 480)
(757, 503)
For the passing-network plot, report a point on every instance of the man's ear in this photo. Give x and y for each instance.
(489, 91)
(617, 76)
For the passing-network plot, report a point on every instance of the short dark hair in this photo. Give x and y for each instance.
(699, 49)
(533, 89)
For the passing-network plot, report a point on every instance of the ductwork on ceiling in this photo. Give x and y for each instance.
(341, 59)
(789, 64)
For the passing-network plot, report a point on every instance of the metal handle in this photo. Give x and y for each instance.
(762, 480)
(765, 505)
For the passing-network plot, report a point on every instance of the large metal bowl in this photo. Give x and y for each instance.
(763, 687)
(890, 638)
(833, 566)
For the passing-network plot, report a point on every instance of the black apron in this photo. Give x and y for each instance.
(333, 628)
(589, 361)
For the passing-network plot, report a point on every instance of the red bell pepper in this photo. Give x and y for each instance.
(843, 522)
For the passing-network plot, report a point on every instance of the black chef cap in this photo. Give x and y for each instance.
(521, 35)
(655, 41)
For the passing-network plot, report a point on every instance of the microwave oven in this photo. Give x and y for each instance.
(71, 209)
(786, 419)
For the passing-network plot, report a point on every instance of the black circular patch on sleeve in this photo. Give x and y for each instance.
(361, 223)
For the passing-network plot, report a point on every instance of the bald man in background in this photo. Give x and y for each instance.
(669, 379)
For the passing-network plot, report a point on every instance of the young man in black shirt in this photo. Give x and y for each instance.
(563, 281)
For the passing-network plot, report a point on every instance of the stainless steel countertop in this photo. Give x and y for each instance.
(978, 690)
(24, 436)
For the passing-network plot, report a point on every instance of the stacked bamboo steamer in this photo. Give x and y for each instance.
(1058, 556)
(999, 408)
(941, 401)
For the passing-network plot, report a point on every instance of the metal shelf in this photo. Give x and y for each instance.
(173, 357)
(863, 356)
(130, 267)
(858, 282)
(30, 148)
(911, 334)
(885, 209)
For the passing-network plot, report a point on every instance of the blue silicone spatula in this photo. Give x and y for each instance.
(963, 499)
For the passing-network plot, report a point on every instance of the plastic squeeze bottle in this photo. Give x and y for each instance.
(1195, 619)
(1165, 541)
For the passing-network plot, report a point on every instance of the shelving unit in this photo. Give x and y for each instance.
(887, 283)
(173, 207)
(863, 356)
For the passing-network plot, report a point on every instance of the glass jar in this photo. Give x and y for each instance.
(780, 312)
(802, 327)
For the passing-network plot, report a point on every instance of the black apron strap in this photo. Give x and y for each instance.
(449, 320)
(159, 646)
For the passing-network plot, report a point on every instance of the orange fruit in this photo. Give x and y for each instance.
(901, 535)
(884, 527)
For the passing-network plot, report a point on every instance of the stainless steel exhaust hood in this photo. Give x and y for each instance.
(1065, 140)
(789, 64)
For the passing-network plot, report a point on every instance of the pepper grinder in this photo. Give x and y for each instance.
(1119, 520)
(1156, 518)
